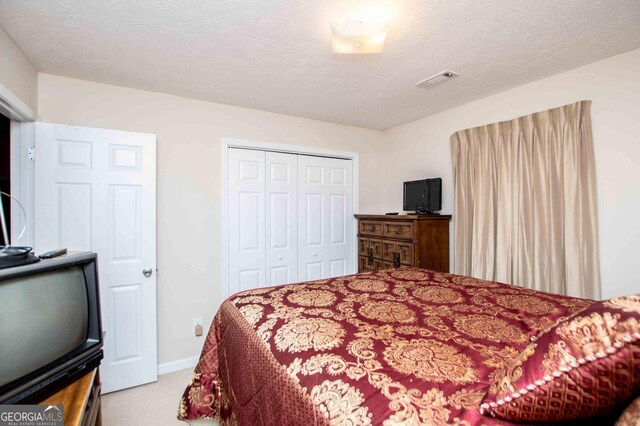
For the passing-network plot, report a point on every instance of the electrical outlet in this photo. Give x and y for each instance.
(197, 326)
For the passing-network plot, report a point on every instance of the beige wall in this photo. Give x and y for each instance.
(16, 72)
(188, 181)
(421, 149)
(189, 132)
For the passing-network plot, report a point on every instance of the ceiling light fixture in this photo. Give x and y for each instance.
(360, 32)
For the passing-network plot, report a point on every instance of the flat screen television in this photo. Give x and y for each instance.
(422, 196)
(50, 330)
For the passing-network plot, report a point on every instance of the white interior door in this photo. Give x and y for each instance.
(325, 217)
(281, 218)
(246, 215)
(95, 189)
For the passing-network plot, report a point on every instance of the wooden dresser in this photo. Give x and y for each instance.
(386, 241)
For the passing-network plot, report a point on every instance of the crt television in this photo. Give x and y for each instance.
(423, 196)
(50, 331)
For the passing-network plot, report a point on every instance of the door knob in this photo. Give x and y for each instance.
(280, 257)
(147, 272)
(315, 254)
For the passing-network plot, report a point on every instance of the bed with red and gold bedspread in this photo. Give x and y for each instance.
(400, 346)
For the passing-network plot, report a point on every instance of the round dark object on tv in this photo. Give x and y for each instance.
(16, 256)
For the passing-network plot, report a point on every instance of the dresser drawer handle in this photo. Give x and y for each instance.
(398, 230)
(372, 228)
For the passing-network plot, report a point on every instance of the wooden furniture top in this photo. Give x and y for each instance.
(403, 216)
(74, 398)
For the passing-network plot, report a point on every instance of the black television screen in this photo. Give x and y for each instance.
(56, 305)
(50, 329)
(423, 196)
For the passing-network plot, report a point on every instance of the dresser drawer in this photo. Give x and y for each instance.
(368, 227)
(373, 245)
(363, 246)
(397, 251)
(398, 229)
(376, 248)
(406, 252)
(388, 250)
(363, 264)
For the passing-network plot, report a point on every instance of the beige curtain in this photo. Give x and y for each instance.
(525, 202)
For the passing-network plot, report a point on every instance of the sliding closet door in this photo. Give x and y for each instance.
(325, 217)
(281, 211)
(246, 213)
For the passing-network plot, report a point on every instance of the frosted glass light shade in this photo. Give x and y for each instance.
(358, 36)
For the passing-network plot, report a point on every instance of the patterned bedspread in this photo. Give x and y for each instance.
(400, 346)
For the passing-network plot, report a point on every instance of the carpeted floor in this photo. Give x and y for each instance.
(153, 404)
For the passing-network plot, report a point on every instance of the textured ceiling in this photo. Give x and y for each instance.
(275, 55)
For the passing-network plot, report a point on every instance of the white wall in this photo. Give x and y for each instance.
(16, 72)
(188, 181)
(421, 149)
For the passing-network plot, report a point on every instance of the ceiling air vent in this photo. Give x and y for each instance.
(439, 78)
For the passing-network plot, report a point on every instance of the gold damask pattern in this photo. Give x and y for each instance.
(410, 274)
(431, 360)
(312, 298)
(252, 313)
(301, 334)
(437, 294)
(530, 304)
(481, 326)
(473, 282)
(402, 346)
(386, 311)
(625, 303)
(375, 286)
(340, 403)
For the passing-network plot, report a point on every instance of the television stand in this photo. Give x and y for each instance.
(81, 401)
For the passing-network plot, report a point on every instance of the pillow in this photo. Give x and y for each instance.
(586, 365)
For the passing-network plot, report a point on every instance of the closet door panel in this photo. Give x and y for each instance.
(312, 218)
(325, 217)
(339, 192)
(281, 218)
(246, 194)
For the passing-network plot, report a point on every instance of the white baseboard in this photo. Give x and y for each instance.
(180, 364)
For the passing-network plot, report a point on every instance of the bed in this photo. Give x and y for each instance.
(399, 346)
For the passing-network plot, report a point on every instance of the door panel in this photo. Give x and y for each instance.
(337, 267)
(124, 229)
(74, 219)
(246, 213)
(281, 217)
(127, 322)
(95, 190)
(315, 218)
(338, 218)
(325, 218)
